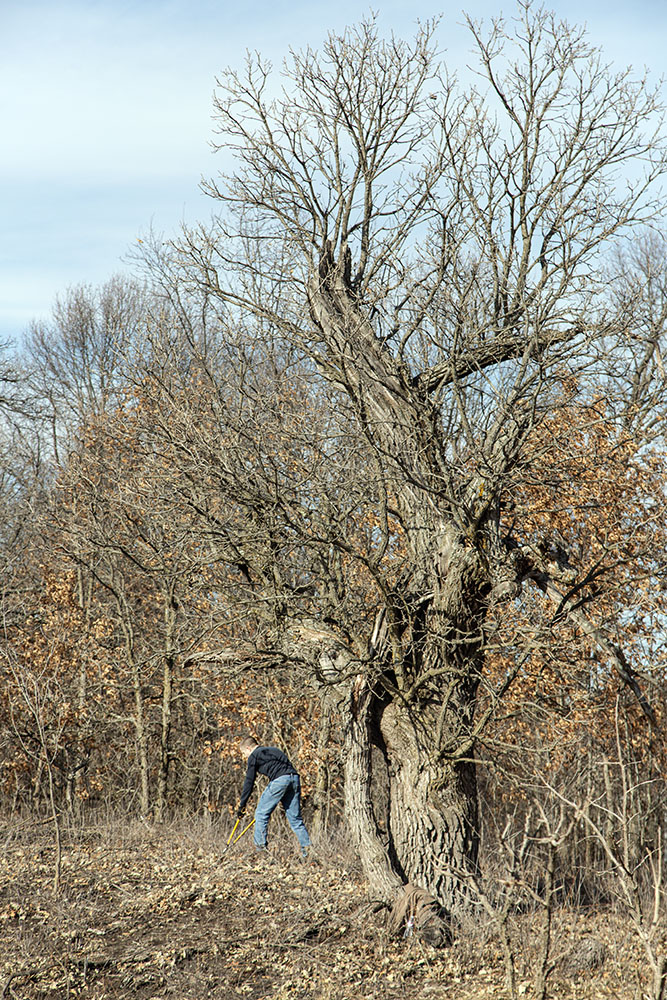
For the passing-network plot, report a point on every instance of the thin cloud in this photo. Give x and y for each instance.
(107, 125)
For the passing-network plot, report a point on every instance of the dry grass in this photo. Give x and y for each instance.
(156, 913)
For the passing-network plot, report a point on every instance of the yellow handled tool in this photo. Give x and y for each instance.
(230, 842)
(229, 839)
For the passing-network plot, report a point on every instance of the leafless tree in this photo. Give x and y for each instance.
(72, 361)
(426, 258)
(638, 293)
(634, 866)
(42, 701)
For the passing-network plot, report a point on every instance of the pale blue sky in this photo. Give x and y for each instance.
(105, 113)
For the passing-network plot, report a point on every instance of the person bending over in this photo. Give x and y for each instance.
(284, 787)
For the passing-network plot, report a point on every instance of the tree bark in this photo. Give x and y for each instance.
(379, 867)
(167, 697)
(141, 738)
(322, 790)
(433, 808)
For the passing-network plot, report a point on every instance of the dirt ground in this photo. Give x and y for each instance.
(145, 913)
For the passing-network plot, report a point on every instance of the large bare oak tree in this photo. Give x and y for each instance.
(428, 257)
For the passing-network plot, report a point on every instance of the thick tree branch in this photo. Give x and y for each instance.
(504, 347)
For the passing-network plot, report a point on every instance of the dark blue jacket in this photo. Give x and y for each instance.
(264, 760)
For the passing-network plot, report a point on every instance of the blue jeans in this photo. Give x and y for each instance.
(285, 790)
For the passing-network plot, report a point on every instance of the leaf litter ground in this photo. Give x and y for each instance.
(146, 913)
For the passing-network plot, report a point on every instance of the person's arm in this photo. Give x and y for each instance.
(249, 783)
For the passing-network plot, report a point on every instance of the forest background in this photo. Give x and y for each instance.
(373, 466)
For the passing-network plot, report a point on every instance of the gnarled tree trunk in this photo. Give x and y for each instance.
(384, 874)
(433, 807)
(417, 704)
(429, 836)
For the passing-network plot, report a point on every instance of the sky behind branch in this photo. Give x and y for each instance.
(105, 112)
